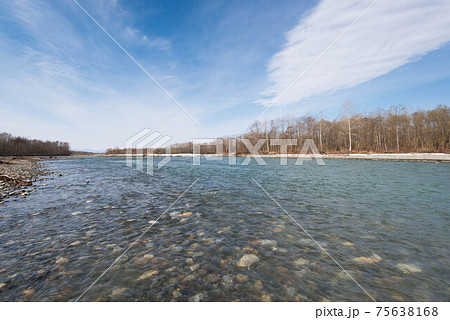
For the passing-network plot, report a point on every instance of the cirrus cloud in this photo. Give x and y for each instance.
(391, 34)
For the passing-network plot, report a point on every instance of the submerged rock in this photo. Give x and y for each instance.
(227, 281)
(62, 260)
(408, 268)
(176, 294)
(194, 267)
(258, 286)
(301, 273)
(363, 260)
(282, 269)
(249, 250)
(290, 292)
(184, 215)
(142, 260)
(241, 278)
(118, 292)
(117, 250)
(148, 274)
(90, 232)
(344, 276)
(247, 260)
(198, 254)
(189, 277)
(212, 277)
(397, 296)
(372, 259)
(266, 297)
(268, 243)
(208, 241)
(198, 297)
(28, 291)
(301, 261)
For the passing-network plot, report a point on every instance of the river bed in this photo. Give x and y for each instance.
(225, 239)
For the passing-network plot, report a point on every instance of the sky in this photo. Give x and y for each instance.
(223, 62)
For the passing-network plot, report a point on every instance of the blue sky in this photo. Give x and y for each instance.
(63, 78)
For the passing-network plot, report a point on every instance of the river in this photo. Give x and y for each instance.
(351, 230)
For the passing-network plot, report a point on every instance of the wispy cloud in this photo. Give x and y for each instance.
(136, 37)
(391, 34)
(60, 80)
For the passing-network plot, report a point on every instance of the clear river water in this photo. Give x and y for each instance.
(385, 223)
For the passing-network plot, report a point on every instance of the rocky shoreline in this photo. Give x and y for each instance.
(17, 176)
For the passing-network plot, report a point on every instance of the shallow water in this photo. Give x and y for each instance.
(56, 242)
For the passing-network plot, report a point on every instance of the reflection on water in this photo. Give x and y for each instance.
(386, 223)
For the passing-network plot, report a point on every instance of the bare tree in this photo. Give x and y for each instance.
(19, 146)
(348, 106)
(393, 130)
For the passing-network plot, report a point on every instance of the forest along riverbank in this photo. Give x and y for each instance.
(17, 176)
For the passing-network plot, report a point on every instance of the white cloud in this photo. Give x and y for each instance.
(158, 43)
(389, 35)
(56, 84)
(136, 37)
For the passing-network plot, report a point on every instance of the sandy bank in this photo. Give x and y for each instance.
(426, 157)
(432, 157)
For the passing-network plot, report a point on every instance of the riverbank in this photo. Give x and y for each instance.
(17, 176)
(426, 157)
(422, 157)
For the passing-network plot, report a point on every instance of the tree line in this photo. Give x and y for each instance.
(383, 131)
(391, 130)
(19, 146)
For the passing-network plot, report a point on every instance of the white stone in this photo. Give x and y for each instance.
(408, 268)
(247, 260)
(148, 274)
